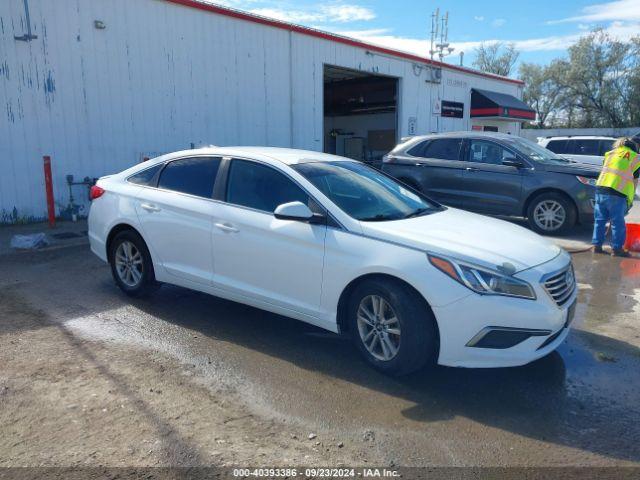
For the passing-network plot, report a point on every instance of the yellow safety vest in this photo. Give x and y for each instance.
(617, 171)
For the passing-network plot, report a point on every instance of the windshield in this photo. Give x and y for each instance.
(364, 193)
(536, 152)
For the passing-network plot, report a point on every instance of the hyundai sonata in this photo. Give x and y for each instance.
(335, 243)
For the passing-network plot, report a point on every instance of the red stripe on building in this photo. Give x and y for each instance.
(486, 111)
(332, 38)
(514, 112)
(498, 112)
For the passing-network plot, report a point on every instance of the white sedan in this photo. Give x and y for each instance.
(335, 243)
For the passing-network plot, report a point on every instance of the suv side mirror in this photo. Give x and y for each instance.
(513, 162)
(296, 211)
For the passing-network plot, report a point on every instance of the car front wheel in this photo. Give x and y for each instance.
(392, 326)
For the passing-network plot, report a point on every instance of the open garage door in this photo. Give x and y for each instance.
(360, 114)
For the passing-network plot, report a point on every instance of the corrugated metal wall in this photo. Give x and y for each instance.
(162, 76)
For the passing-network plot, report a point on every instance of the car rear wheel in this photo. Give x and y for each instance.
(131, 264)
(551, 214)
(392, 326)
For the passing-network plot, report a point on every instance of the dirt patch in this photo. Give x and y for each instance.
(67, 401)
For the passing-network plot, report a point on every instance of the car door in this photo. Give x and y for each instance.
(437, 169)
(274, 261)
(177, 217)
(489, 185)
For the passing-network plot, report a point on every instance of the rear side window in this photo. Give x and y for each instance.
(260, 187)
(443, 149)
(194, 176)
(605, 146)
(417, 150)
(145, 177)
(557, 146)
(586, 147)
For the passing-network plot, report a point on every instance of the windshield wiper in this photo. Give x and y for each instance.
(377, 218)
(418, 213)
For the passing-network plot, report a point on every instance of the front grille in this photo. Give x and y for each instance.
(561, 285)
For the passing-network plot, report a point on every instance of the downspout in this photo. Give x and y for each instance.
(290, 89)
(29, 35)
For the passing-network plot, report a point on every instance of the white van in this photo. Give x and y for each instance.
(584, 149)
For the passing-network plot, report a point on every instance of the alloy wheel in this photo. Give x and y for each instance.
(549, 215)
(129, 264)
(378, 327)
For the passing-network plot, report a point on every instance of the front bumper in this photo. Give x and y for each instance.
(462, 323)
(586, 202)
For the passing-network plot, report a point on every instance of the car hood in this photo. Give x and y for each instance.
(582, 169)
(468, 236)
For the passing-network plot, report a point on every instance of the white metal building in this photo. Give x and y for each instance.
(101, 84)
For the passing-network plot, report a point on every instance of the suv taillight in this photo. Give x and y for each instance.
(95, 192)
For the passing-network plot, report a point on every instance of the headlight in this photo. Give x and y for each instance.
(481, 280)
(586, 181)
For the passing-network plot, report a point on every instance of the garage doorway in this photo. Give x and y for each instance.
(360, 114)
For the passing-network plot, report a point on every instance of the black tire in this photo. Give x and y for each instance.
(418, 340)
(147, 283)
(567, 206)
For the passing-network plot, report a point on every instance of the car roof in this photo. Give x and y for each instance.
(288, 156)
(409, 142)
(465, 134)
(580, 137)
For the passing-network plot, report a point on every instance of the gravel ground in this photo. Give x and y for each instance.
(89, 377)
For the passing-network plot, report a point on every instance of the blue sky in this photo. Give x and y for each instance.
(542, 29)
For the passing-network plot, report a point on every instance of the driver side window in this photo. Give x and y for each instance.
(260, 187)
(481, 151)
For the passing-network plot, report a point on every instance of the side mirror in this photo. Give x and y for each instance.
(513, 162)
(297, 211)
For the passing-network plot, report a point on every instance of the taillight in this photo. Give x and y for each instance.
(95, 192)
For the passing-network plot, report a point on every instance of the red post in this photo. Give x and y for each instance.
(48, 183)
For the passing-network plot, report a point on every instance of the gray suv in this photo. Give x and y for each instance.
(497, 174)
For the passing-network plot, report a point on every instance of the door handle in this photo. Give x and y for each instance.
(471, 169)
(150, 207)
(227, 227)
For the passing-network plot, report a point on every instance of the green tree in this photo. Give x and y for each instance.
(601, 80)
(541, 92)
(496, 58)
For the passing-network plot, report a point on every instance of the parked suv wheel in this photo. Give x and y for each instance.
(392, 326)
(131, 264)
(551, 214)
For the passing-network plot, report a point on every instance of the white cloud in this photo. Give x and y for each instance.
(293, 16)
(333, 13)
(410, 45)
(479, 18)
(348, 13)
(627, 10)
(498, 22)
(620, 30)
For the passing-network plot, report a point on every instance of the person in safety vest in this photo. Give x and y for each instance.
(615, 191)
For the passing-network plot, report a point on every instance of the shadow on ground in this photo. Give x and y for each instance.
(571, 398)
(568, 398)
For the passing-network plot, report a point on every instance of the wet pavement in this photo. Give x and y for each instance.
(578, 406)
